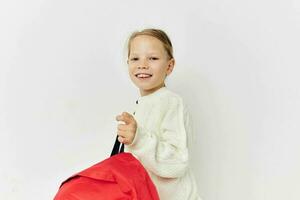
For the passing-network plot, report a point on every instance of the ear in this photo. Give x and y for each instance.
(127, 62)
(170, 67)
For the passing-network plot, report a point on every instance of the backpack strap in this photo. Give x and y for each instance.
(116, 149)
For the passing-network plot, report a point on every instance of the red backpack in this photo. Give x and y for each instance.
(119, 177)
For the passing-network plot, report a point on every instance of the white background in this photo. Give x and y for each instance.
(63, 79)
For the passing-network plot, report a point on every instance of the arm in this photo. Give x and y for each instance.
(164, 153)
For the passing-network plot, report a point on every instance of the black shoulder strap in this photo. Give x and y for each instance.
(116, 149)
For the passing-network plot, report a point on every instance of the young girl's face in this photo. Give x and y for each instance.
(148, 63)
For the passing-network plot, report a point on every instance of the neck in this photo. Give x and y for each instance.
(147, 92)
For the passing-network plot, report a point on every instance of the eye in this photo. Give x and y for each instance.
(153, 58)
(133, 59)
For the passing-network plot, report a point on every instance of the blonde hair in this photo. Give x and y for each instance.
(157, 33)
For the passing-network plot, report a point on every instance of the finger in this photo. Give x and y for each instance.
(122, 133)
(127, 136)
(124, 118)
(128, 115)
(125, 113)
(122, 127)
(121, 139)
(120, 118)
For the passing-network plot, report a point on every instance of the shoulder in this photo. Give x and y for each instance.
(173, 99)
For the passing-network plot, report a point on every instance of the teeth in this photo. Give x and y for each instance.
(143, 75)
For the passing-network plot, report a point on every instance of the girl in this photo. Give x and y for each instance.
(157, 132)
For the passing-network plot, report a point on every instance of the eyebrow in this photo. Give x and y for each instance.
(151, 53)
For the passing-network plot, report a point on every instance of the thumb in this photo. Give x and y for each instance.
(126, 117)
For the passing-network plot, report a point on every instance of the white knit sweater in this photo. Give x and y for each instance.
(161, 144)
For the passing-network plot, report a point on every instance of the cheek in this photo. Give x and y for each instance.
(161, 70)
(130, 69)
(131, 72)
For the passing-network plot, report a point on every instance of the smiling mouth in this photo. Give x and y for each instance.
(143, 75)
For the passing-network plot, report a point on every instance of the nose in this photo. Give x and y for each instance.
(143, 64)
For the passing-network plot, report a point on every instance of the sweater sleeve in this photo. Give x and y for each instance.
(164, 153)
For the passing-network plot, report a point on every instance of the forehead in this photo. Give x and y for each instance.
(146, 43)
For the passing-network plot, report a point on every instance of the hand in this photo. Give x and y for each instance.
(126, 132)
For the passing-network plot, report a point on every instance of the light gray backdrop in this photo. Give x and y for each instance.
(63, 79)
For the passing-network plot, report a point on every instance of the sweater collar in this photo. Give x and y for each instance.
(152, 95)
